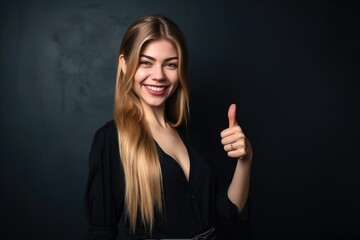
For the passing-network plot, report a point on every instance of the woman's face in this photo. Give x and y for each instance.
(157, 75)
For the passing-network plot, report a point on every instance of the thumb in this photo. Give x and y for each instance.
(232, 115)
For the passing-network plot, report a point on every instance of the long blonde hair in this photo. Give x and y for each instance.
(143, 181)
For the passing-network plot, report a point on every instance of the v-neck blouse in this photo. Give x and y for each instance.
(171, 159)
(190, 206)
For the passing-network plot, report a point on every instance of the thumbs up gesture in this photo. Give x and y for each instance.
(234, 140)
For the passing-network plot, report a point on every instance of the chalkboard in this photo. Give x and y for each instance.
(291, 67)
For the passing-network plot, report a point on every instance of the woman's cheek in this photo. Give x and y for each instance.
(140, 75)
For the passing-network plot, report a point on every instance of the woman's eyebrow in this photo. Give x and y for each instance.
(165, 60)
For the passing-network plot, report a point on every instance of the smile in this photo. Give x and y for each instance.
(156, 88)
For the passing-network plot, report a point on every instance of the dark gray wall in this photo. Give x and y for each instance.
(291, 66)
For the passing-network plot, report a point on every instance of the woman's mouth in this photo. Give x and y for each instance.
(156, 90)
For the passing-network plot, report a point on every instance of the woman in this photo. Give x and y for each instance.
(147, 178)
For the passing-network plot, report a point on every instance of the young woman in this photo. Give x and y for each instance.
(147, 178)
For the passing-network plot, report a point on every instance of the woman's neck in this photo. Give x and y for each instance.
(155, 117)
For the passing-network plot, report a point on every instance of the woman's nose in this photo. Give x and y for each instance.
(157, 73)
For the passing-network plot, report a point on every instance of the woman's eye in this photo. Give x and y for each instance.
(145, 63)
(171, 65)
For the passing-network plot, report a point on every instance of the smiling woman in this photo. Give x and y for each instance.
(157, 76)
(147, 177)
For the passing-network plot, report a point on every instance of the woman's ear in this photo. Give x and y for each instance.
(122, 63)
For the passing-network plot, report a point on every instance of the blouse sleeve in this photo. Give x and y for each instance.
(227, 212)
(103, 204)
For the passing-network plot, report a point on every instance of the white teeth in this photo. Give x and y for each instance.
(157, 89)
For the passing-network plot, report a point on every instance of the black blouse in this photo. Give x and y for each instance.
(191, 207)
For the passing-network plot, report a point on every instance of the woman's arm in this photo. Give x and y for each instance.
(103, 201)
(237, 146)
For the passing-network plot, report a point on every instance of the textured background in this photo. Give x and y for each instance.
(291, 66)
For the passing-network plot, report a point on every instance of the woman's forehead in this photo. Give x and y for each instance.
(160, 48)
